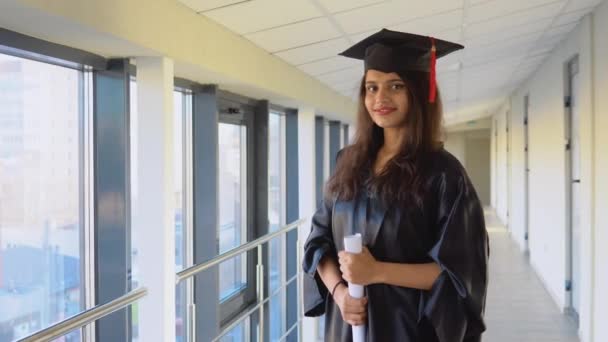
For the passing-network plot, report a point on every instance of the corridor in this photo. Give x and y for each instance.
(518, 306)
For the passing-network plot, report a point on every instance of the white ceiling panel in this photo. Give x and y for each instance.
(431, 24)
(505, 40)
(330, 64)
(520, 45)
(451, 35)
(342, 76)
(499, 8)
(559, 31)
(392, 13)
(314, 52)
(205, 5)
(516, 19)
(295, 35)
(352, 82)
(513, 32)
(571, 17)
(580, 4)
(262, 14)
(333, 6)
(541, 50)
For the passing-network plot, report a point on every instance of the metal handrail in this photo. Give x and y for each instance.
(86, 317)
(253, 309)
(193, 270)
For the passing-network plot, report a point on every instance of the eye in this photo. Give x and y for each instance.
(398, 86)
(371, 88)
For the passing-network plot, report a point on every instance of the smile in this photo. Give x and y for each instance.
(384, 110)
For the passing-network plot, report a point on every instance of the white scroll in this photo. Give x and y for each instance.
(352, 244)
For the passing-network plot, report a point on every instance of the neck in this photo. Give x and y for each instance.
(393, 139)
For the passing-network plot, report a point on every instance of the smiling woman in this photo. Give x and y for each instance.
(425, 261)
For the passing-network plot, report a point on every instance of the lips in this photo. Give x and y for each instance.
(384, 110)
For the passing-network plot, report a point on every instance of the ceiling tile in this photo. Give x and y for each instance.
(559, 31)
(571, 17)
(342, 76)
(513, 20)
(431, 24)
(580, 4)
(511, 47)
(512, 32)
(333, 6)
(205, 5)
(314, 52)
(330, 64)
(392, 13)
(295, 35)
(498, 8)
(253, 16)
(451, 35)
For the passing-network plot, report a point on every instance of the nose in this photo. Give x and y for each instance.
(381, 95)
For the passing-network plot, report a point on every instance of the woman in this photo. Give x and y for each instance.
(424, 267)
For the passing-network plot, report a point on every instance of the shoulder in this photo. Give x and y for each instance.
(444, 163)
(448, 172)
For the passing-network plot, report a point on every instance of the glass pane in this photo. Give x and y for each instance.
(238, 333)
(133, 117)
(276, 220)
(233, 205)
(178, 197)
(40, 196)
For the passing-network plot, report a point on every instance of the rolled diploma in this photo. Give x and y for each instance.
(352, 244)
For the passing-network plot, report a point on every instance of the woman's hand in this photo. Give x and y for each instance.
(360, 269)
(353, 310)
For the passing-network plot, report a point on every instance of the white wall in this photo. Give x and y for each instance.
(599, 156)
(477, 164)
(499, 164)
(455, 144)
(472, 149)
(547, 187)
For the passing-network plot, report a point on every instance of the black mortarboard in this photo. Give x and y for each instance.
(393, 51)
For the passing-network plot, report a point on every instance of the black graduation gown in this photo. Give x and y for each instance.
(449, 231)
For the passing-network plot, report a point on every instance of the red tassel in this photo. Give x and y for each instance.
(432, 76)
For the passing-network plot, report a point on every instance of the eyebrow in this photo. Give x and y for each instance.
(389, 81)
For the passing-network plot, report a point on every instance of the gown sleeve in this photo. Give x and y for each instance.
(319, 243)
(455, 304)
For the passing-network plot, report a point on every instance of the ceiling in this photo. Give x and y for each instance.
(505, 40)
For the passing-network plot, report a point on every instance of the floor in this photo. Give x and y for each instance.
(518, 308)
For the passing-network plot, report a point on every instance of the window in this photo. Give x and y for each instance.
(41, 196)
(276, 219)
(182, 110)
(232, 230)
(240, 333)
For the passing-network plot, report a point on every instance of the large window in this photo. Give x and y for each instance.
(276, 219)
(42, 193)
(182, 110)
(233, 206)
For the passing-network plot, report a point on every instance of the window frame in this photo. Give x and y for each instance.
(228, 104)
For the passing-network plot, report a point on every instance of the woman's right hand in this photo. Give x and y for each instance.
(354, 311)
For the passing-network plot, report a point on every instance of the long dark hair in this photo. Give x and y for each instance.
(404, 176)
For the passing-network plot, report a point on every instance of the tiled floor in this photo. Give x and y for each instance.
(518, 307)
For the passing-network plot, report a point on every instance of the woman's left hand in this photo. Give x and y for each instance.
(360, 269)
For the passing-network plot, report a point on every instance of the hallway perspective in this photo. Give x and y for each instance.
(518, 306)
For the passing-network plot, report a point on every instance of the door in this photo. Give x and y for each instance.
(526, 174)
(573, 186)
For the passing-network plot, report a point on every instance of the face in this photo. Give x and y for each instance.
(386, 98)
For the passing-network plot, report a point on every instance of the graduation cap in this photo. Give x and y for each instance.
(393, 51)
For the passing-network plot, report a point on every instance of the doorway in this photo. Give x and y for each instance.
(573, 182)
